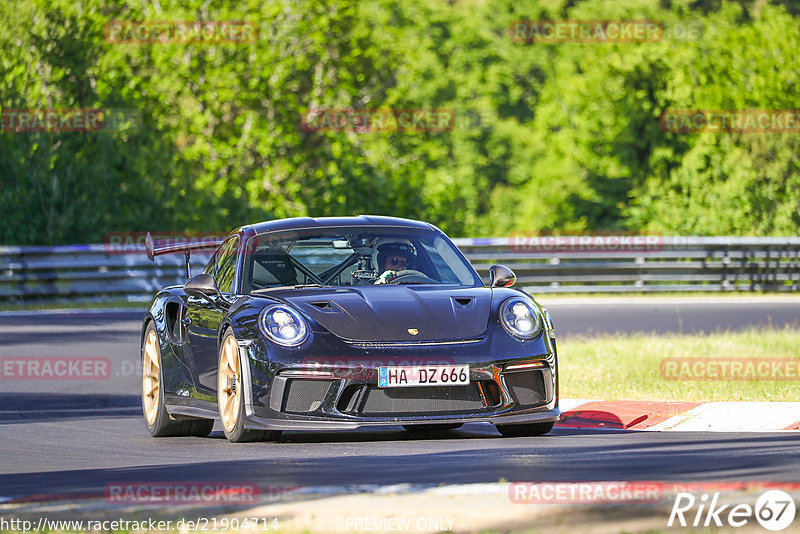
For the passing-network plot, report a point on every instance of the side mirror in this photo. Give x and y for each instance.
(202, 285)
(501, 276)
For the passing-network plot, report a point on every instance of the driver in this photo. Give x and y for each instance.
(394, 258)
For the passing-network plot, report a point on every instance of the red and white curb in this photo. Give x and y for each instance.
(680, 416)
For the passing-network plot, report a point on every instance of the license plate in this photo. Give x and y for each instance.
(421, 375)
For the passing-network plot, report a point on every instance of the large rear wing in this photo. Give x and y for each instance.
(177, 246)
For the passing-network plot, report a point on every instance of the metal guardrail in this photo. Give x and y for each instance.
(575, 264)
(618, 264)
(88, 273)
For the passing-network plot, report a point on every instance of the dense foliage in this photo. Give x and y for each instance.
(547, 137)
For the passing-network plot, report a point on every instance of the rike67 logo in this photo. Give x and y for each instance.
(774, 510)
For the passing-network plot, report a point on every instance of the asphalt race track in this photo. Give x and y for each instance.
(76, 436)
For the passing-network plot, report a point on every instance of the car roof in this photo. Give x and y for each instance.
(302, 223)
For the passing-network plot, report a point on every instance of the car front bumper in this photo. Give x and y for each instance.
(290, 390)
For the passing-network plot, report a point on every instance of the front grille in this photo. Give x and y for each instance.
(422, 400)
(527, 389)
(305, 395)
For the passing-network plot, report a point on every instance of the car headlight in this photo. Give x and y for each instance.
(283, 325)
(520, 318)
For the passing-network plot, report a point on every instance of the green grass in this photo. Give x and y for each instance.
(626, 367)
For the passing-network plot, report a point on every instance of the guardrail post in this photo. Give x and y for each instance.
(726, 261)
(751, 269)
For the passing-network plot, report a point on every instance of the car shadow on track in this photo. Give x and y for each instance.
(655, 456)
(469, 431)
(22, 407)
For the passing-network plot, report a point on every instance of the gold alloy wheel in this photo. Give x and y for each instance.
(229, 384)
(151, 389)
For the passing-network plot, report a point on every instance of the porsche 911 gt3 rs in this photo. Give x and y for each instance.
(340, 323)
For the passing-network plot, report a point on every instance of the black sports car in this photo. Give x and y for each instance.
(339, 323)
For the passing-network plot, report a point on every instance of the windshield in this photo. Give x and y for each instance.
(354, 256)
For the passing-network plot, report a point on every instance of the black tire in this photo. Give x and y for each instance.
(234, 427)
(433, 428)
(156, 416)
(531, 429)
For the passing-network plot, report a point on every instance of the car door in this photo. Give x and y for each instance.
(206, 315)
